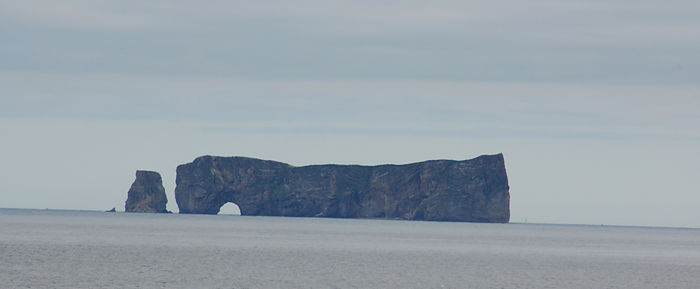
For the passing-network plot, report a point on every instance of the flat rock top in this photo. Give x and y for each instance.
(442, 190)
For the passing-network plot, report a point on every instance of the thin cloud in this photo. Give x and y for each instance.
(449, 106)
(77, 14)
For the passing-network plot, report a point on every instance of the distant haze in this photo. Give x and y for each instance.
(595, 104)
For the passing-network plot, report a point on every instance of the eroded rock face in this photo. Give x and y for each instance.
(146, 194)
(441, 190)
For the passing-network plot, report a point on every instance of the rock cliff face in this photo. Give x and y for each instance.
(146, 194)
(441, 190)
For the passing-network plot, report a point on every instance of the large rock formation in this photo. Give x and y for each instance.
(146, 194)
(441, 190)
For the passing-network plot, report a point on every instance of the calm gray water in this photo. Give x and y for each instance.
(73, 249)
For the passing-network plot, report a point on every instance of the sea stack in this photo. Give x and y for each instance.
(440, 190)
(146, 194)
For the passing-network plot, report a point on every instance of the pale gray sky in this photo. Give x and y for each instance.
(595, 104)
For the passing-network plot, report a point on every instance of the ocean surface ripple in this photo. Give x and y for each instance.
(85, 249)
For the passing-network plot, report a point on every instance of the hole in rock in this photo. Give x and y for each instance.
(230, 209)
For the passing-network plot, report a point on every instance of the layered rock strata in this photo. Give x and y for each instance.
(440, 190)
(146, 194)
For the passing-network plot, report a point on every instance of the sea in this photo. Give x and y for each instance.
(89, 249)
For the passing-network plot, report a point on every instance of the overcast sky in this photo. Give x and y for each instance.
(595, 104)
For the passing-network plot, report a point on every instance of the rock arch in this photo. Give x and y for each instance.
(442, 190)
(230, 208)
